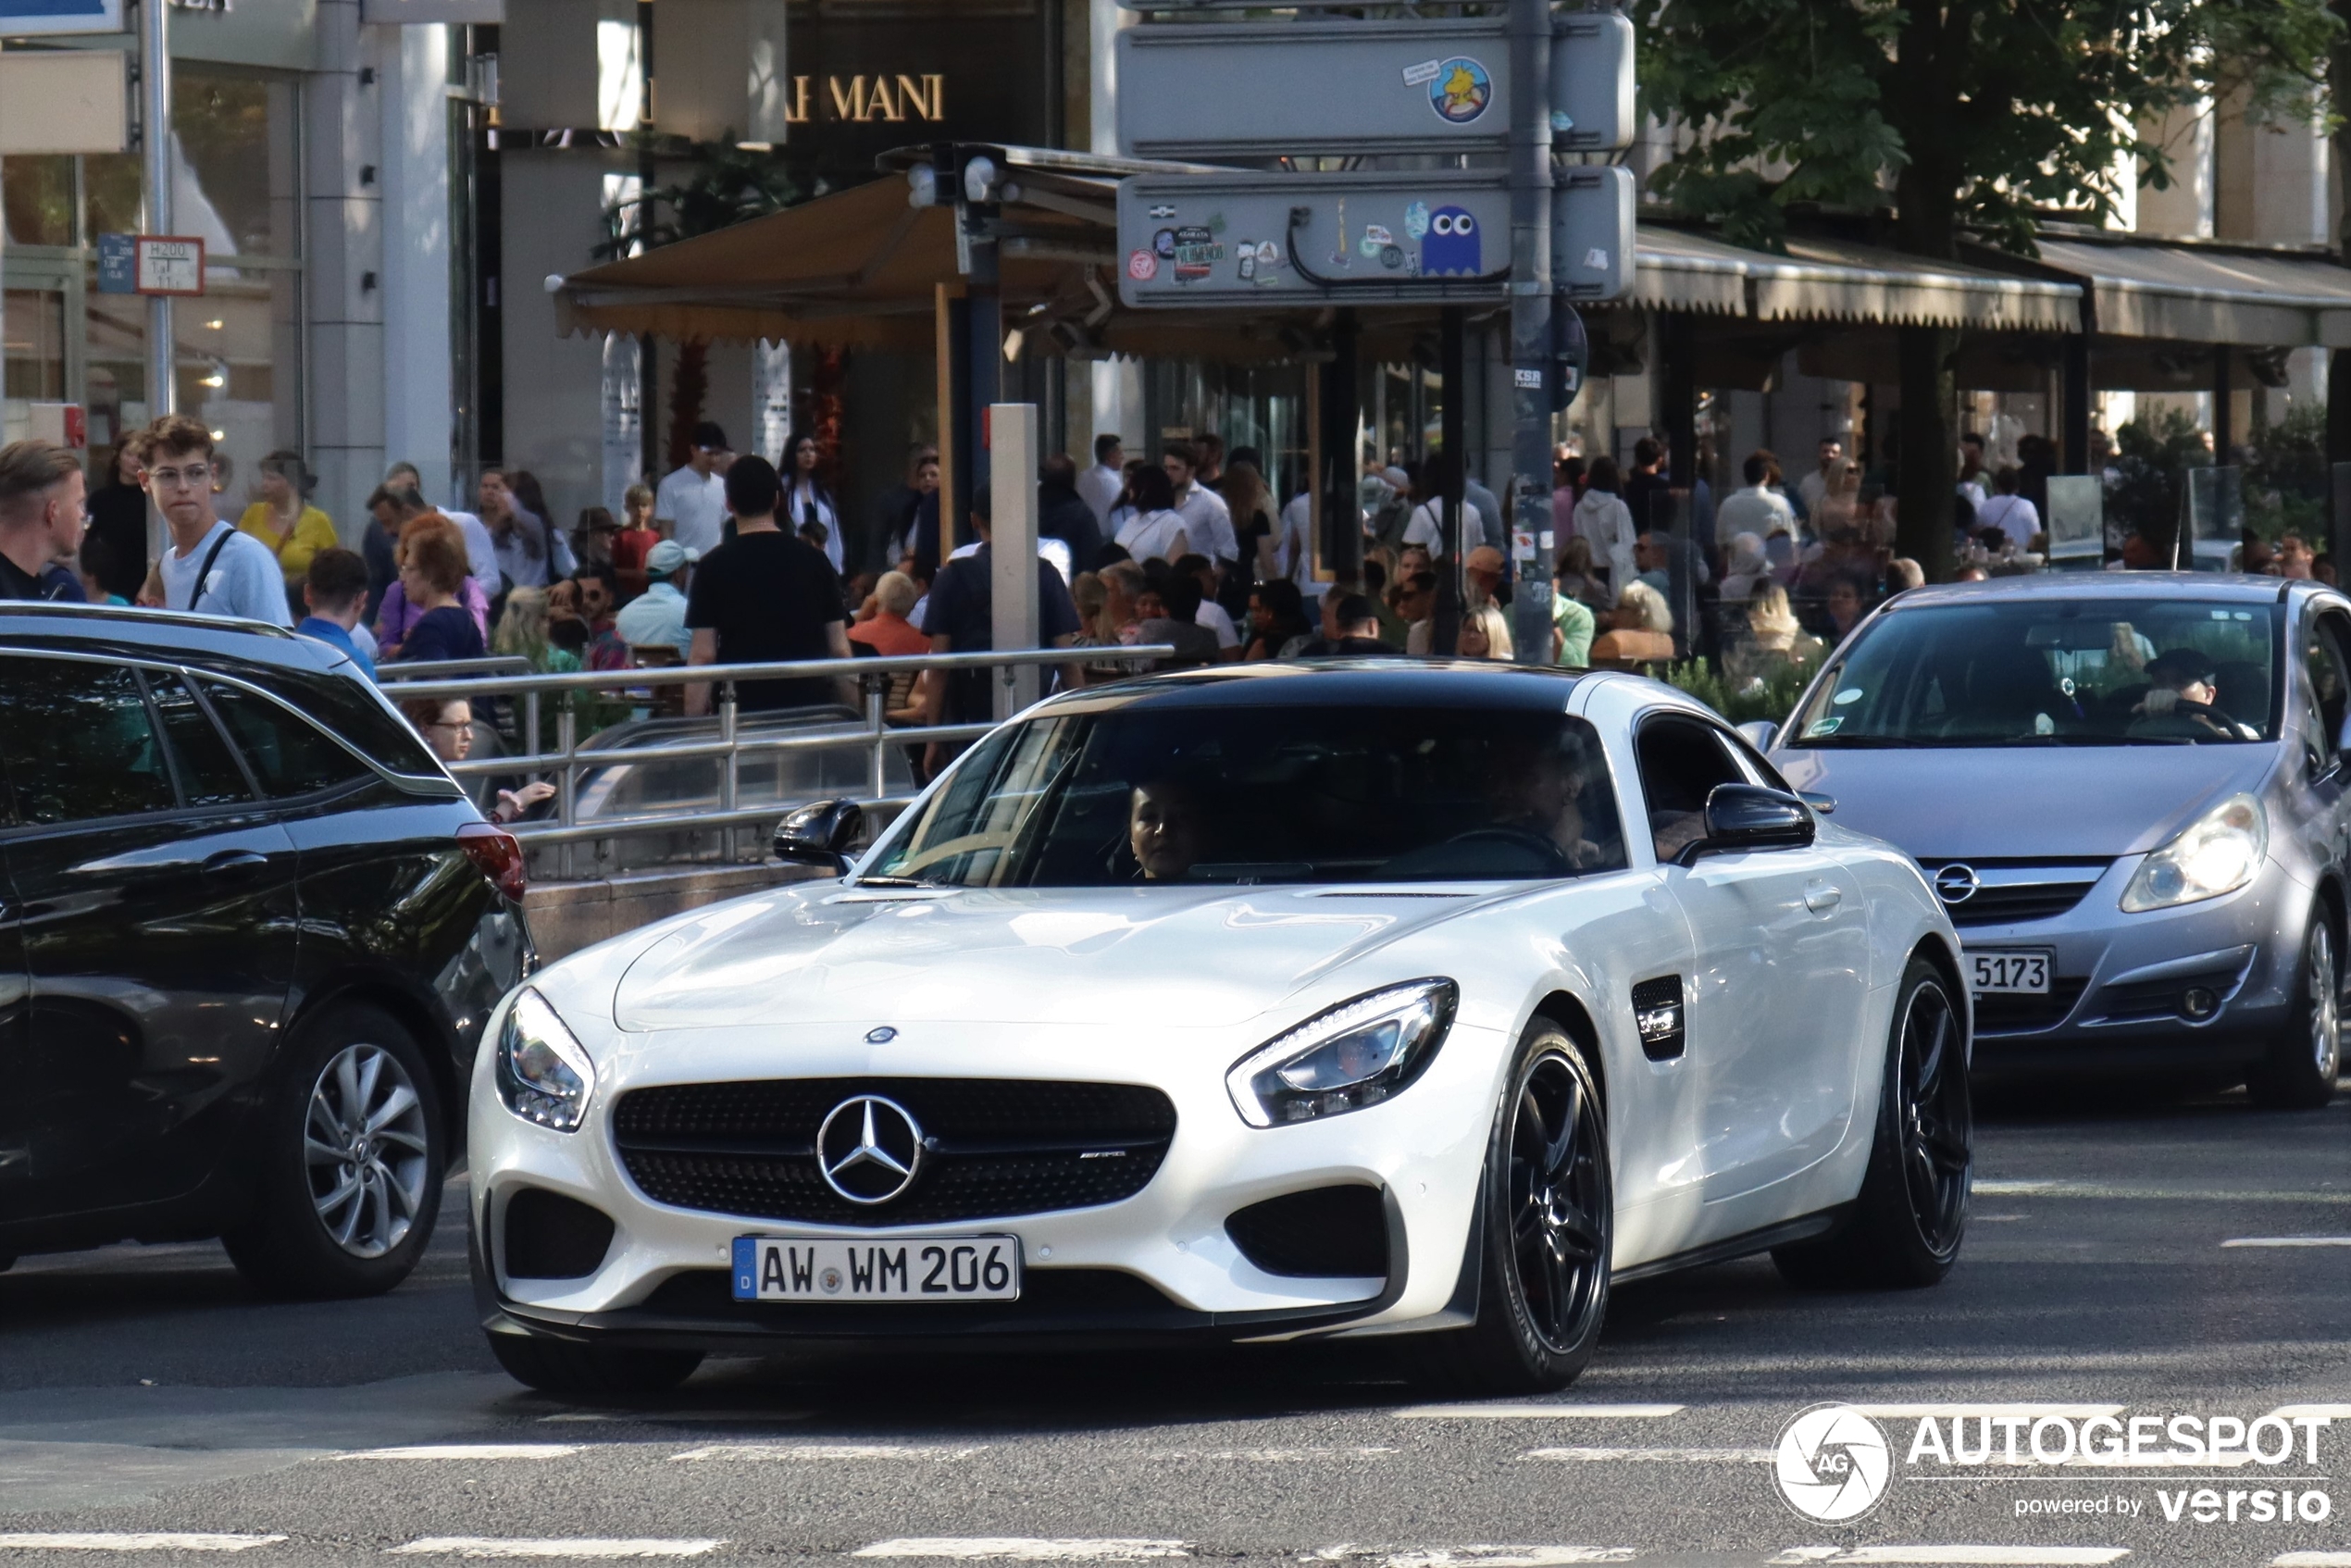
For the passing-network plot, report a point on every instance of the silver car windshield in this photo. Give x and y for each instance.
(1240, 794)
(2040, 671)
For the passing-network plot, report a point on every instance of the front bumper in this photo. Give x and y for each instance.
(2126, 991)
(1155, 1266)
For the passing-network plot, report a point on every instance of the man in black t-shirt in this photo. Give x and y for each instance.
(959, 619)
(764, 596)
(40, 518)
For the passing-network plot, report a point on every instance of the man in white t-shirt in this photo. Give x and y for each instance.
(1208, 522)
(209, 567)
(1099, 486)
(1755, 509)
(1815, 485)
(1294, 554)
(692, 499)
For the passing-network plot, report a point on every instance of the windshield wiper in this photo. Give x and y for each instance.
(897, 882)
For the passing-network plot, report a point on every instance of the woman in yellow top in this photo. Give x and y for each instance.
(284, 520)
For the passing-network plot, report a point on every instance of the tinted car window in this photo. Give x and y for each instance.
(1267, 794)
(208, 773)
(79, 744)
(1682, 761)
(352, 710)
(287, 755)
(2037, 670)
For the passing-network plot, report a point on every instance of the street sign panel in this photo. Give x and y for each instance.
(1425, 237)
(21, 18)
(169, 264)
(118, 264)
(63, 101)
(1265, 89)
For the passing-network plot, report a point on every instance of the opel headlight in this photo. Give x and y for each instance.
(1355, 1054)
(543, 1075)
(2217, 854)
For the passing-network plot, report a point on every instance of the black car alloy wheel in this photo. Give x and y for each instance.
(1558, 1197)
(1936, 1118)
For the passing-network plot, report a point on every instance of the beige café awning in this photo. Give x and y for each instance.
(2201, 294)
(1830, 281)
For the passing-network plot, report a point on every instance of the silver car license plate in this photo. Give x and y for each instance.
(2009, 971)
(923, 1268)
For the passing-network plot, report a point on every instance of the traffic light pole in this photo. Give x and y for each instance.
(1530, 32)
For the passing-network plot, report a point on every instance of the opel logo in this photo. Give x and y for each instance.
(1957, 884)
(869, 1149)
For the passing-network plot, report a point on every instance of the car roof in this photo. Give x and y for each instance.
(160, 634)
(1349, 682)
(2228, 587)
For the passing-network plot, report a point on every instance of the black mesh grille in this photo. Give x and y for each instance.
(552, 1236)
(2064, 885)
(993, 1147)
(2021, 1014)
(1328, 1232)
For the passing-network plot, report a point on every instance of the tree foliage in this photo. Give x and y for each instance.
(1965, 115)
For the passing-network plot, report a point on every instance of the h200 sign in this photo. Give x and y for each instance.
(167, 263)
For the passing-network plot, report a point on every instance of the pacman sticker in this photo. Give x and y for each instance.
(1461, 90)
(1452, 248)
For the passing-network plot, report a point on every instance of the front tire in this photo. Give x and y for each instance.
(1548, 1219)
(2299, 1074)
(1909, 1220)
(351, 1158)
(591, 1372)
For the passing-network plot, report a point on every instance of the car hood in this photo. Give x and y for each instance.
(2016, 803)
(1108, 956)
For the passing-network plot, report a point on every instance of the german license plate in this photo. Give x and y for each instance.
(2012, 971)
(926, 1268)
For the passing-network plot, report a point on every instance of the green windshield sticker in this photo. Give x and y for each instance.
(1823, 726)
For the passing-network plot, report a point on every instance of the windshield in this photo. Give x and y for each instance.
(2050, 672)
(1265, 794)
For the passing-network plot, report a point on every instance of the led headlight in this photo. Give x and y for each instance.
(2217, 854)
(543, 1075)
(1355, 1054)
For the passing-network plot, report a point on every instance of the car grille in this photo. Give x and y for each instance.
(993, 1147)
(2009, 891)
(2022, 1015)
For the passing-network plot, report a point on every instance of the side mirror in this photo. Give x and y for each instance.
(821, 834)
(1824, 804)
(1760, 733)
(1749, 816)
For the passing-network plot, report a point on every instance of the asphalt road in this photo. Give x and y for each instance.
(146, 1400)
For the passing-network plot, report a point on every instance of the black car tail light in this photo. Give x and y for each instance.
(498, 854)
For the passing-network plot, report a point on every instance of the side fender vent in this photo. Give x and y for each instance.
(1656, 1016)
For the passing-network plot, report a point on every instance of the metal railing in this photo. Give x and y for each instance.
(874, 735)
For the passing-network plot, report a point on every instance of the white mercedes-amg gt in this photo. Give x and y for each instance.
(1266, 1002)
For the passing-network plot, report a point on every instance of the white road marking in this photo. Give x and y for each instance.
(1562, 1411)
(2288, 1241)
(1026, 1549)
(1653, 1456)
(1946, 1413)
(560, 1546)
(1509, 1556)
(2311, 1560)
(129, 1540)
(2032, 1556)
(2329, 1412)
(2158, 1194)
(470, 1452)
(1272, 1456)
(756, 1452)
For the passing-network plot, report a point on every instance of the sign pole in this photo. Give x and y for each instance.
(1453, 588)
(1530, 68)
(155, 130)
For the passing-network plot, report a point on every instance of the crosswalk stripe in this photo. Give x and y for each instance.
(1946, 1413)
(2331, 1413)
(1562, 1412)
(1508, 1556)
(129, 1540)
(1652, 1456)
(2017, 1556)
(2311, 1560)
(1026, 1549)
(558, 1547)
(469, 1452)
(2288, 1241)
(766, 1452)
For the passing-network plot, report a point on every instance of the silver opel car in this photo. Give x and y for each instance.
(2130, 792)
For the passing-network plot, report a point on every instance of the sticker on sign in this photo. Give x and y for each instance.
(1531, 380)
(170, 265)
(1416, 76)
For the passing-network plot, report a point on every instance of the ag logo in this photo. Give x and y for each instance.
(1832, 1464)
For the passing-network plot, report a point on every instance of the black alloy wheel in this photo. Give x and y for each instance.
(1938, 1118)
(1546, 1223)
(1557, 1196)
(1903, 1228)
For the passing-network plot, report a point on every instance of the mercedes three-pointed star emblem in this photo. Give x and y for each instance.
(869, 1149)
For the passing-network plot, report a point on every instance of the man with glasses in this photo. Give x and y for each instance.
(211, 568)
